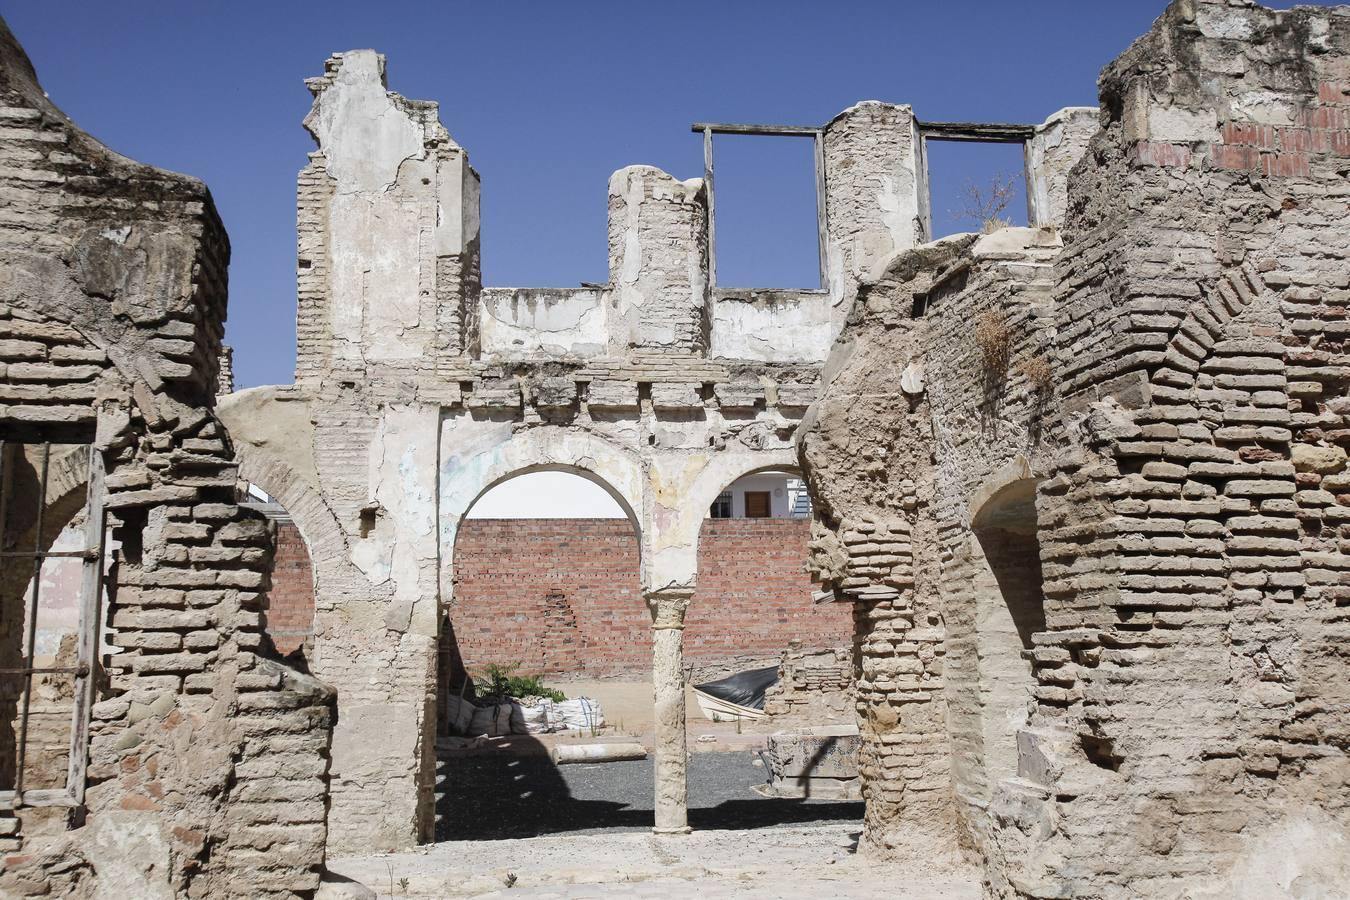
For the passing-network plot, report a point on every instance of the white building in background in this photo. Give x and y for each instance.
(563, 495)
(764, 495)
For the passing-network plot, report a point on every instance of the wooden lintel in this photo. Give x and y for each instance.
(771, 130)
(992, 133)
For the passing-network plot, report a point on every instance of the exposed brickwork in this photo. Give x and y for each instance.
(1179, 468)
(562, 595)
(754, 594)
(290, 600)
(114, 277)
(550, 594)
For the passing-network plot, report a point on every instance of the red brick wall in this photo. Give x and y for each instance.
(580, 576)
(290, 602)
(754, 595)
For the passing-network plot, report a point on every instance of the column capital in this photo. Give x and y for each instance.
(668, 605)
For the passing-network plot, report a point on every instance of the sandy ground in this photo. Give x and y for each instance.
(813, 862)
(627, 706)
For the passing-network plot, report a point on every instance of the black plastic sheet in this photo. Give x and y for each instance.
(744, 688)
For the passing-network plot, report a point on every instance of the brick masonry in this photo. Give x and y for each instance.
(207, 758)
(1158, 410)
(289, 615)
(562, 595)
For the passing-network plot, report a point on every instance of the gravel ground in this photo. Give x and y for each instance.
(793, 862)
(501, 796)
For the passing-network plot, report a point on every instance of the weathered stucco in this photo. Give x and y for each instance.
(1083, 483)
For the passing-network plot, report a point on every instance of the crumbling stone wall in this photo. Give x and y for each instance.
(207, 759)
(1173, 389)
(1191, 559)
(417, 390)
(932, 412)
(814, 687)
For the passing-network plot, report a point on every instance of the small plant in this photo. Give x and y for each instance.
(993, 338)
(510, 879)
(502, 682)
(986, 205)
(1036, 369)
(403, 885)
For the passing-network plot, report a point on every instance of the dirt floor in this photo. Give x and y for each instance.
(799, 862)
(495, 796)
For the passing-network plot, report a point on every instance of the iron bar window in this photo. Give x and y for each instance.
(34, 498)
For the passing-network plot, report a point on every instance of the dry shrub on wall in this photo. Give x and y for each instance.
(993, 338)
(1036, 370)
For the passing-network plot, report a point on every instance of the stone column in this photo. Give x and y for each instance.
(672, 793)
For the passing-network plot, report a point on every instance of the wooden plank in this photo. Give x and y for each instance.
(990, 133)
(712, 218)
(774, 130)
(40, 797)
(91, 608)
(822, 225)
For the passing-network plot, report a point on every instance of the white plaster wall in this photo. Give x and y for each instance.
(778, 326)
(542, 321)
(1057, 146)
(779, 498)
(403, 196)
(872, 187)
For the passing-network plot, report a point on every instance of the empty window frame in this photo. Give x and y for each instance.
(48, 649)
(816, 134)
(979, 133)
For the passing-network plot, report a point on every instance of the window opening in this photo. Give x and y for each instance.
(976, 181)
(41, 654)
(721, 507)
(816, 134)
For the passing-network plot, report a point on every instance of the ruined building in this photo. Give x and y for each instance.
(1083, 484)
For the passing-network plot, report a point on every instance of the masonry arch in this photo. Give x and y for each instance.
(60, 509)
(309, 542)
(1008, 609)
(548, 579)
(465, 479)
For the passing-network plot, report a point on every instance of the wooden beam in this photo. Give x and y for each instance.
(991, 133)
(712, 218)
(772, 130)
(822, 225)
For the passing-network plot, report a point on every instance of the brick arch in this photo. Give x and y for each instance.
(464, 480)
(712, 480)
(324, 543)
(595, 615)
(323, 534)
(1193, 341)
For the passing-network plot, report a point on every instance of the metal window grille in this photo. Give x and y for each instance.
(20, 554)
(721, 507)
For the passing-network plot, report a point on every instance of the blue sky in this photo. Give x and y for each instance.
(549, 99)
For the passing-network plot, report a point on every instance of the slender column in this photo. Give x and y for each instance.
(672, 791)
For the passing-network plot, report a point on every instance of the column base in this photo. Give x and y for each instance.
(683, 829)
